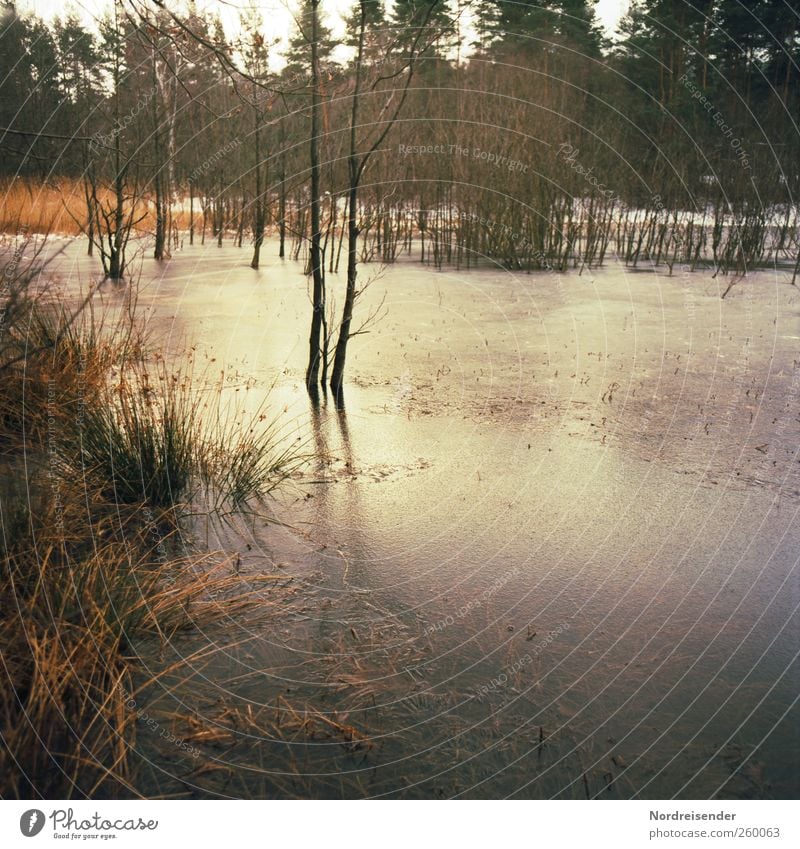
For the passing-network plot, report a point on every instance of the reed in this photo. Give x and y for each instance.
(59, 207)
(80, 589)
(101, 451)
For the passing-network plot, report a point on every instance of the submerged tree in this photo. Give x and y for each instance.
(114, 218)
(357, 163)
(255, 52)
(315, 340)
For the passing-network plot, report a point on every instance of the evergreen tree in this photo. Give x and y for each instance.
(31, 99)
(297, 62)
(529, 28)
(435, 15)
(376, 23)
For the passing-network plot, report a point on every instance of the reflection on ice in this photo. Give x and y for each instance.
(576, 498)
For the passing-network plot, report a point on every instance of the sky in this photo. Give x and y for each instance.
(276, 13)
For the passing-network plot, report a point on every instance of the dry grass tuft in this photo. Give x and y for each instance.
(96, 459)
(78, 593)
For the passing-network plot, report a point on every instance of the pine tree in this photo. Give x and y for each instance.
(297, 62)
(530, 28)
(435, 15)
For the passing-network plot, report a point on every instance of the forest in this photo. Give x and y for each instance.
(544, 144)
(569, 260)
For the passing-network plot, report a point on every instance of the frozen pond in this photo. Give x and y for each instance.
(549, 550)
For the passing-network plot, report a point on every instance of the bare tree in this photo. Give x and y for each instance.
(317, 269)
(356, 166)
(115, 220)
(256, 57)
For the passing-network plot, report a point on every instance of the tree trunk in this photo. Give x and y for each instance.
(159, 252)
(354, 171)
(340, 357)
(318, 294)
(258, 234)
(116, 266)
(160, 249)
(282, 192)
(91, 212)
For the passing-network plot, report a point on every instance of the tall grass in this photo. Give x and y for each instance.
(71, 618)
(100, 451)
(133, 429)
(247, 455)
(155, 439)
(140, 445)
(59, 207)
(36, 207)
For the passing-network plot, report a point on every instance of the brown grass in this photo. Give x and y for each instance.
(77, 592)
(83, 581)
(86, 577)
(59, 207)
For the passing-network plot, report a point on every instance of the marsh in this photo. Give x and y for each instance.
(548, 548)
